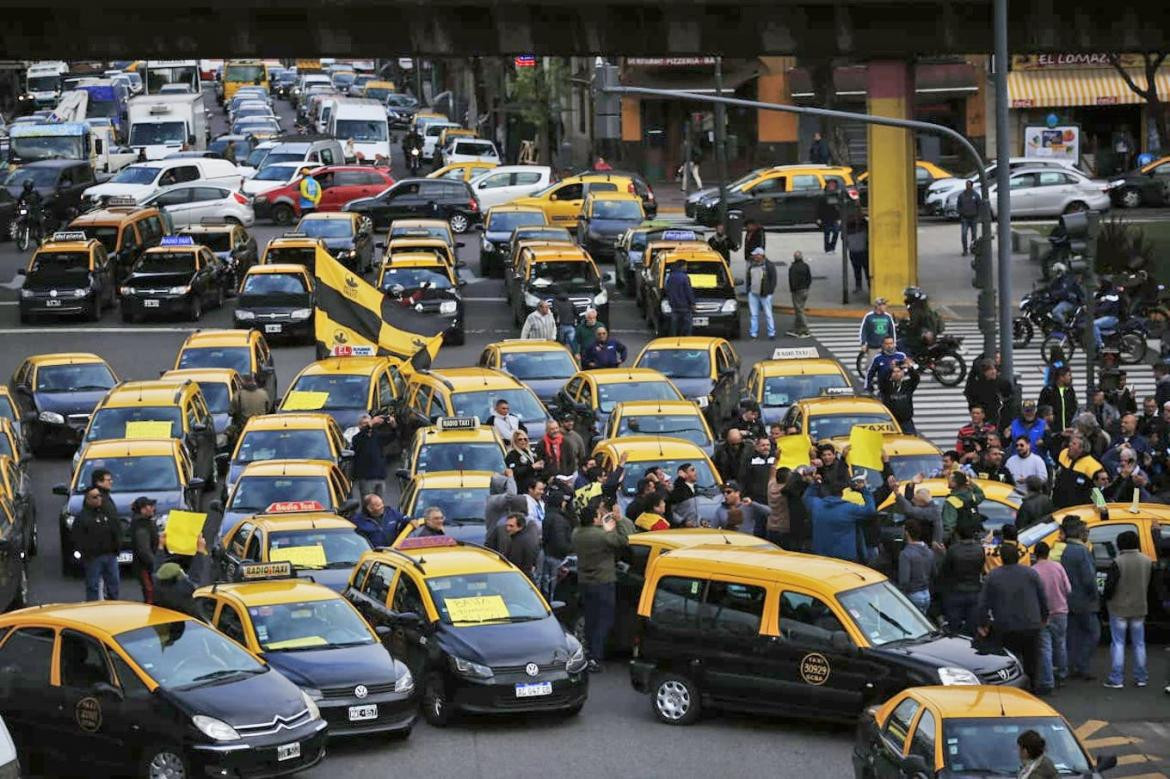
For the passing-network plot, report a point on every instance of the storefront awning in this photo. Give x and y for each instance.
(1077, 87)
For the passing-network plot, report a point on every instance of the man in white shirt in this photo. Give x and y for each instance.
(505, 422)
(1023, 463)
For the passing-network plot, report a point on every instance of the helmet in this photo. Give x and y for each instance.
(913, 295)
(1059, 268)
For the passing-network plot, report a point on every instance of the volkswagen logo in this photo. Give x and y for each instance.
(532, 669)
(360, 691)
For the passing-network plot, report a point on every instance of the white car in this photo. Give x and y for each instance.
(1052, 192)
(942, 195)
(470, 150)
(190, 204)
(431, 135)
(500, 185)
(9, 764)
(143, 179)
(272, 176)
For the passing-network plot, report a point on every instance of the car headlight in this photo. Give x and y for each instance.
(301, 313)
(178, 290)
(448, 307)
(665, 306)
(215, 729)
(728, 306)
(486, 246)
(26, 293)
(470, 669)
(601, 298)
(405, 682)
(956, 676)
(311, 701)
(702, 400)
(530, 300)
(244, 315)
(576, 662)
(221, 439)
(1116, 183)
(81, 292)
(68, 518)
(52, 417)
(125, 290)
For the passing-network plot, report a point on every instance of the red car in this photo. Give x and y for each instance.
(339, 185)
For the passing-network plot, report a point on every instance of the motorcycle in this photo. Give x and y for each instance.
(26, 228)
(943, 359)
(1035, 310)
(414, 159)
(1129, 339)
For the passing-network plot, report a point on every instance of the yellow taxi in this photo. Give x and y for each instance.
(528, 250)
(797, 373)
(423, 228)
(242, 73)
(8, 406)
(221, 392)
(631, 244)
(317, 638)
(473, 629)
(654, 249)
(245, 351)
(704, 369)
(283, 483)
(454, 444)
(460, 495)
(468, 392)
(56, 393)
(438, 250)
(669, 418)
(908, 455)
(999, 506)
(277, 299)
(716, 305)
(68, 274)
(346, 388)
(125, 231)
(117, 676)
(499, 233)
(1145, 186)
(422, 117)
(828, 637)
(461, 171)
(19, 538)
(783, 195)
(10, 443)
(542, 366)
(447, 133)
(428, 284)
(348, 236)
(591, 395)
(605, 216)
(301, 435)
(546, 270)
(16, 486)
(965, 731)
(925, 174)
(295, 249)
(832, 416)
(377, 90)
(562, 200)
(642, 453)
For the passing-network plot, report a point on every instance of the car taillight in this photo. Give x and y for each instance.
(473, 204)
(630, 188)
(853, 193)
(649, 192)
(240, 198)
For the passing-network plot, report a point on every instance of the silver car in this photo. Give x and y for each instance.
(189, 204)
(1049, 192)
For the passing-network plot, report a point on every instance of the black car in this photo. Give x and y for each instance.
(1146, 186)
(571, 272)
(233, 245)
(349, 240)
(68, 275)
(716, 306)
(176, 277)
(14, 534)
(400, 110)
(499, 225)
(279, 304)
(422, 199)
(429, 289)
(57, 397)
(58, 182)
(603, 221)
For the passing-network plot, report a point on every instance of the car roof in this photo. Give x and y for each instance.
(608, 195)
(978, 701)
(841, 404)
(811, 571)
(300, 520)
(646, 447)
(480, 434)
(683, 342)
(138, 393)
(363, 366)
(224, 375)
(902, 444)
(109, 616)
(654, 407)
(993, 490)
(288, 468)
(509, 208)
(810, 366)
(471, 378)
(291, 421)
(529, 345)
(130, 447)
(617, 375)
(455, 560)
(65, 358)
(278, 267)
(453, 479)
(343, 216)
(110, 215)
(219, 338)
(679, 538)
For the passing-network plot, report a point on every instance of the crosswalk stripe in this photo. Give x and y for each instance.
(940, 411)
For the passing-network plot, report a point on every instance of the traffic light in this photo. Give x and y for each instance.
(981, 263)
(1082, 228)
(607, 106)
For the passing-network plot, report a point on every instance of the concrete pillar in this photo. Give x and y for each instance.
(777, 133)
(893, 211)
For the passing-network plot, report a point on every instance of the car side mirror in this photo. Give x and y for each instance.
(403, 474)
(557, 606)
(1105, 762)
(841, 642)
(383, 631)
(61, 489)
(914, 766)
(196, 483)
(107, 690)
(407, 619)
(348, 507)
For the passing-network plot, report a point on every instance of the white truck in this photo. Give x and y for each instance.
(162, 124)
(68, 141)
(363, 121)
(43, 83)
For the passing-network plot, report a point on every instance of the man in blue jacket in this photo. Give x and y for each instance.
(605, 352)
(378, 523)
(1084, 626)
(836, 523)
(681, 297)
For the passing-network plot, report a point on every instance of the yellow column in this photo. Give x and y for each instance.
(893, 210)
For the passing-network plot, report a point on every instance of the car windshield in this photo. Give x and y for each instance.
(522, 403)
(414, 278)
(343, 79)
(256, 493)
(217, 242)
(295, 255)
(326, 228)
(40, 177)
(257, 156)
(456, 502)
(987, 745)
(840, 425)
(243, 148)
(431, 231)
(401, 100)
(542, 234)
(678, 363)
(564, 272)
(107, 236)
(617, 209)
(284, 445)
(377, 93)
(188, 654)
(165, 262)
(344, 390)
(361, 130)
(1031, 535)
(74, 378)
(883, 614)
(287, 627)
(335, 547)
(121, 423)
(57, 263)
(246, 112)
(154, 133)
(276, 173)
(7, 411)
(44, 83)
(255, 125)
(252, 74)
(786, 390)
(686, 426)
(217, 395)
(460, 457)
(704, 483)
(238, 358)
(707, 275)
(274, 284)
(507, 221)
(136, 174)
(905, 467)
(132, 474)
(609, 395)
(473, 598)
(527, 366)
(285, 156)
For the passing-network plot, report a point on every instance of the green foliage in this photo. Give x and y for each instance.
(1122, 247)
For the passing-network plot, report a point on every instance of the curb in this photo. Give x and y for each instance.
(825, 313)
(671, 210)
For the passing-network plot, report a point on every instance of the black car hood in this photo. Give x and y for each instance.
(694, 388)
(277, 302)
(335, 667)
(500, 237)
(335, 579)
(66, 403)
(516, 643)
(947, 651)
(251, 700)
(158, 280)
(44, 280)
(362, 204)
(568, 287)
(339, 244)
(544, 389)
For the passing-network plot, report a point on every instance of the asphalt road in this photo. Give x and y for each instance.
(616, 734)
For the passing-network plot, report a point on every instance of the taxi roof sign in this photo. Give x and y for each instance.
(458, 423)
(426, 542)
(121, 200)
(834, 391)
(345, 350)
(69, 235)
(294, 235)
(293, 506)
(251, 572)
(795, 353)
(177, 240)
(679, 235)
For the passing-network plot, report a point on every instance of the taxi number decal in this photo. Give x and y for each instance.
(814, 668)
(479, 608)
(304, 401)
(300, 556)
(89, 714)
(148, 429)
(704, 280)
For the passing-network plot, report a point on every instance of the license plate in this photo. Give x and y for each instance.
(700, 321)
(125, 557)
(52, 303)
(288, 751)
(150, 304)
(358, 713)
(272, 328)
(533, 690)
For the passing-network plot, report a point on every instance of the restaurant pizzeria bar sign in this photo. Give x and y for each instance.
(1073, 60)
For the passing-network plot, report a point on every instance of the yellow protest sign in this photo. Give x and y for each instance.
(297, 643)
(865, 448)
(183, 530)
(148, 429)
(479, 608)
(704, 280)
(300, 556)
(304, 401)
(793, 451)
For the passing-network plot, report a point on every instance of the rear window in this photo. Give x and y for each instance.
(479, 149)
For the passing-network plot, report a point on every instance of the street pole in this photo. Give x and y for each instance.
(685, 185)
(721, 139)
(1003, 202)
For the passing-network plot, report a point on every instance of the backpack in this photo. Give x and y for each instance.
(966, 513)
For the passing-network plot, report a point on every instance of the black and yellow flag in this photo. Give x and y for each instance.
(354, 317)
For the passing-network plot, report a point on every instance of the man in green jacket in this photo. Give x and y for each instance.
(587, 331)
(961, 503)
(597, 543)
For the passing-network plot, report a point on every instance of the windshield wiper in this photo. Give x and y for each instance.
(887, 618)
(526, 618)
(340, 564)
(225, 673)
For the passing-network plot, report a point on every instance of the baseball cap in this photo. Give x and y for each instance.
(731, 484)
(758, 251)
(1029, 404)
(142, 502)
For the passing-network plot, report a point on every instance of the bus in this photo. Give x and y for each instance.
(238, 73)
(159, 73)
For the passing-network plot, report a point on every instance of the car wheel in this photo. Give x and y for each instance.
(233, 221)
(1130, 197)
(459, 223)
(457, 338)
(1075, 207)
(282, 214)
(195, 310)
(675, 699)
(165, 762)
(436, 707)
(20, 597)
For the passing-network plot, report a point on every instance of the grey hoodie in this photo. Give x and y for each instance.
(502, 500)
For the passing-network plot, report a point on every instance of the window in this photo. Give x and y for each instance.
(677, 601)
(923, 741)
(1051, 178)
(253, 551)
(1103, 539)
(1025, 181)
(361, 574)
(378, 583)
(132, 686)
(186, 173)
(173, 198)
(497, 181)
(805, 182)
(1162, 170)
(151, 229)
(407, 597)
(348, 178)
(733, 609)
(639, 558)
(230, 624)
(921, 175)
(26, 655)
(432, 188)
(327, 157)
(898, 725)
(421, 399)
(769, 186)
(206, 194)
(385, 391)
(525, 179)
(237, 542)
(807, 620)
(83, 661)
(569, 192)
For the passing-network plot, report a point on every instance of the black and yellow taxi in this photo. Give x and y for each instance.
(460, 171)
(670, 418)
(57, 393)
(794, 373)
(245, 351)
(561, 201)
(14, 554)
(69, 274)
(499, 224)
(303, 435)
(674, 241)
(965, 731)
(783, 195)
(145, 691)
(705, 370)
(346, 388)
(230, 243)
(319, 641)
(427, 284)
(440, 250)
(221, 392)
(628, 249)
(278, 300)
(641, 453)
(295, 249)
(158, 468)
(17, 488)
(423, 228)
(468, 392)
(453, 444)
(475, 632)
(547, 271)
(591, 395)
(906, 455)
(998, 508)
(279, 486)
(925, 174)
(178, 276)
(524, 251)
(605, 216)
(780, 632)
(832, 416)
(460, 495)
(349, 237)
(530, 236)
(126, 232)
(542, 366)
(716, 307)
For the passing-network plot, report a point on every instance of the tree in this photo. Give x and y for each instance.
(1151, 61)
(820, 73)
(540, 92)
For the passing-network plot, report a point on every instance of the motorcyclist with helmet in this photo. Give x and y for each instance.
(924, 325)
(32, 199)
(411, 142)
(1110, 309)
(1066, 293)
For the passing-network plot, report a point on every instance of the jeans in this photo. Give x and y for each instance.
(799, 300)
(860, 263)
(832, 231)
(681, 322)
(967, 232)
(1053, 665)
(1136, 627)
(1103, 323)
(1084, 631)
(600, 601)
(370, 487)
(1062, 311)
(146, 581)
(756, 304)
(548, 575)
(959, 612)
(1025, 645)
(567, 334)
(103, 568)
(921, 599)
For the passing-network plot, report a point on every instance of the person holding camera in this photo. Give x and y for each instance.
(973, 435)
(990, 391)
(369, 454)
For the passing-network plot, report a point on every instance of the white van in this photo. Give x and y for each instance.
(162, 124)
(431, 134)
(470, 150)
(143, 179)
(497, 186)
(365, 122)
